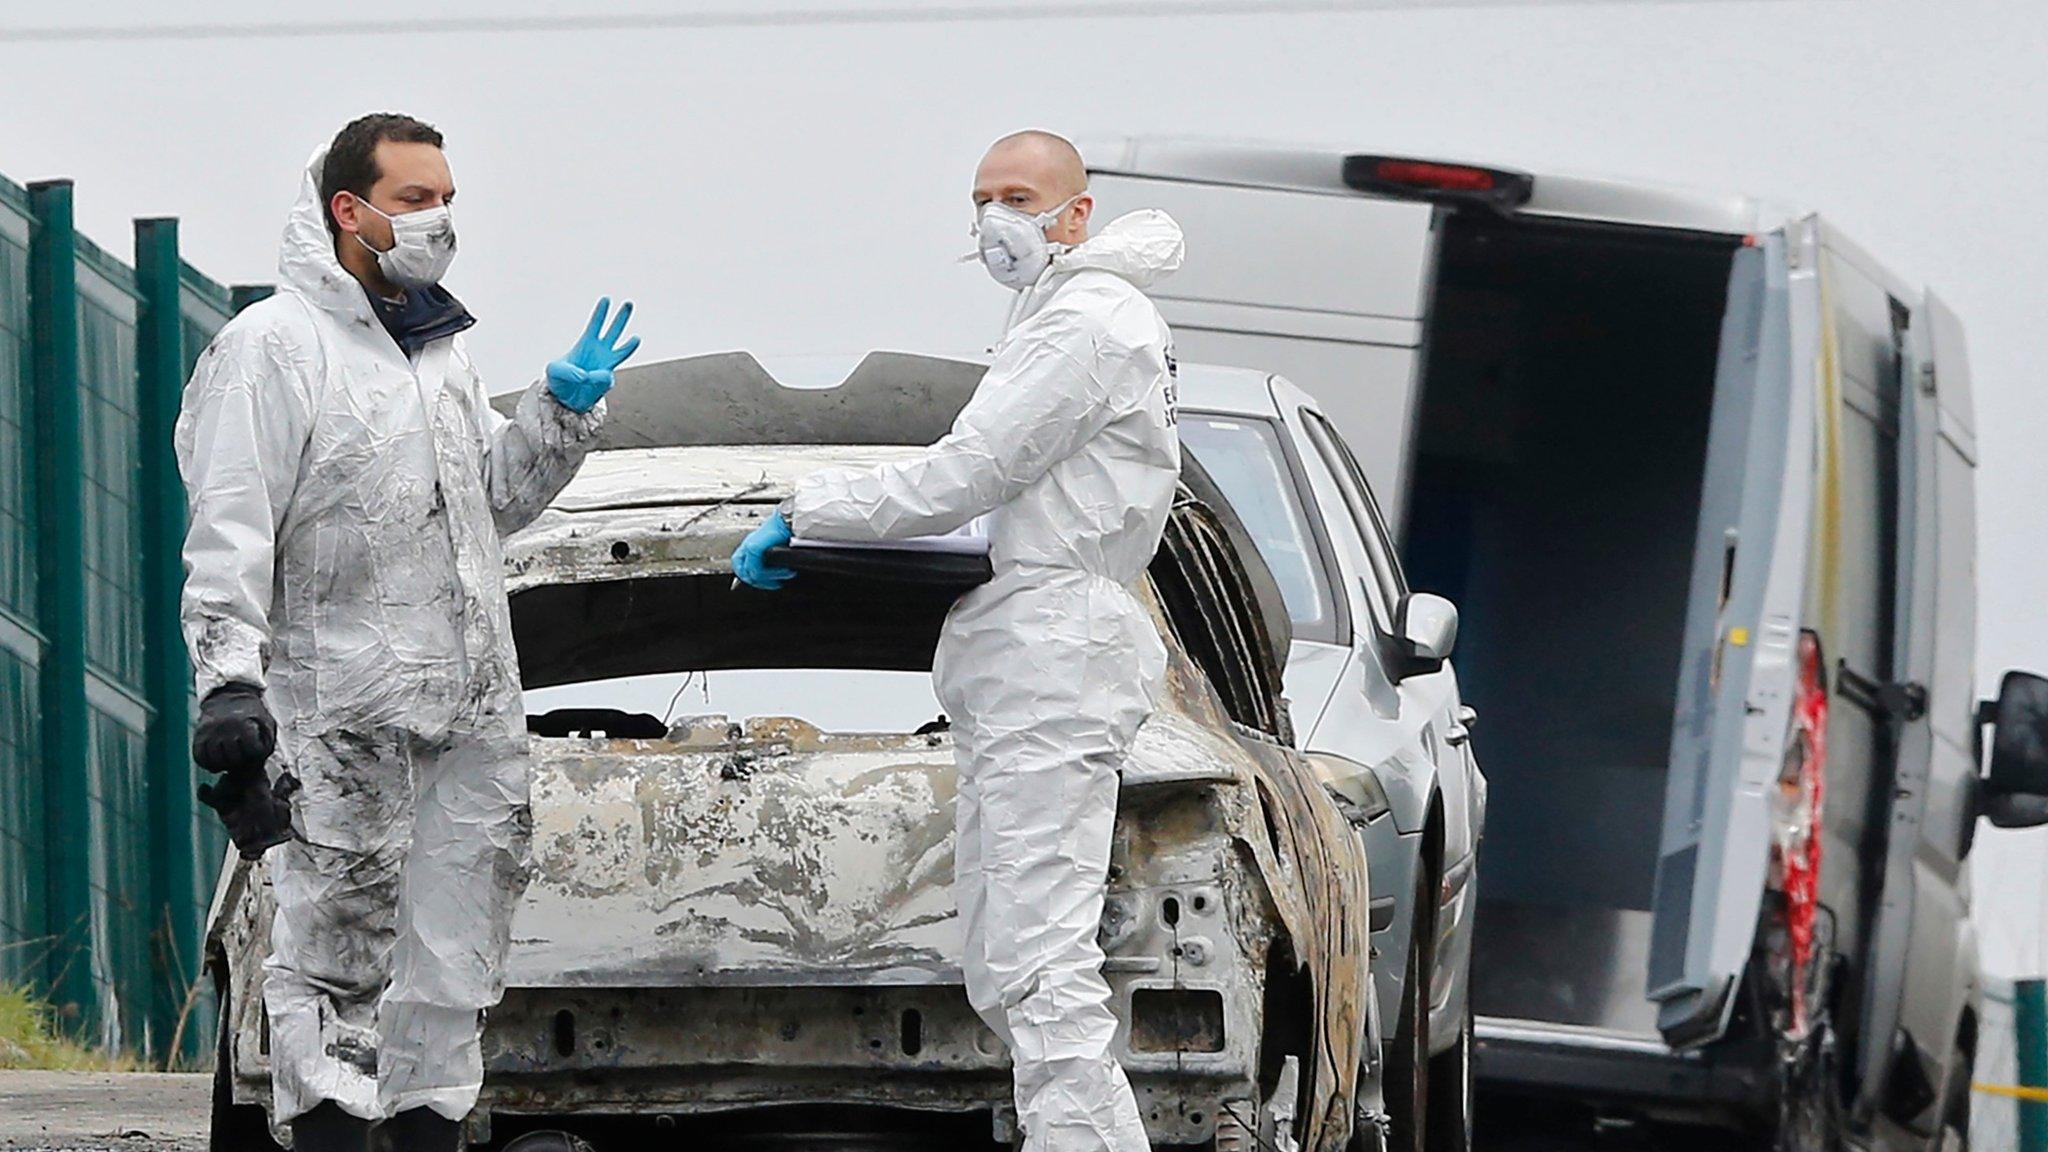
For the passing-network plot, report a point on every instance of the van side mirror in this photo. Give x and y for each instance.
(2015, 793)
(1429, 630)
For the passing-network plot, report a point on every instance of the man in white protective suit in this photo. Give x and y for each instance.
(1068, 448)
(345, 609)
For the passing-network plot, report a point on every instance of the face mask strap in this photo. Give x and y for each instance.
(1052, 217)
(365, 202)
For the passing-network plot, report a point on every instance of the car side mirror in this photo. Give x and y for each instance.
(2015, 793)
(1429, 630)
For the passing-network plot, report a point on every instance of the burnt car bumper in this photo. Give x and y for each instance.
(920, 1048)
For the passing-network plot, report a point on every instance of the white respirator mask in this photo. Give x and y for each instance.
(1013, 246)
(422, 245)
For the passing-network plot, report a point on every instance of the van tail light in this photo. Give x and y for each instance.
(1434, 180)
(1796, 811)
(1441, 177)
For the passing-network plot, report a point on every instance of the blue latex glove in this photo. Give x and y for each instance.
(581, 378)
(747, 564)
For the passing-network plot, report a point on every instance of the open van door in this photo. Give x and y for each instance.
(1325, 287)
(1908, 1008)
(1741, 637)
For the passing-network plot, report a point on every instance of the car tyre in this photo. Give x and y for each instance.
(235, 1127)
(1450, 1093)
(1955, 1121)
(1408, 1058)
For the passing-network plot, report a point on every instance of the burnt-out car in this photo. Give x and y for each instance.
(740, 916)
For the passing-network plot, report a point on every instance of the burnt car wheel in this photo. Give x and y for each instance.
(235, 1127)
(1408, 1057)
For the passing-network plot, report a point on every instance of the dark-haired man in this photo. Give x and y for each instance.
(345, 608)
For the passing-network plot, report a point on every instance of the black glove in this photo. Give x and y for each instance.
(235, 732)
(257, 813)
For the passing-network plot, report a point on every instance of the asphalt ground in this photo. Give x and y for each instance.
(154, 1112)
(98, 1112)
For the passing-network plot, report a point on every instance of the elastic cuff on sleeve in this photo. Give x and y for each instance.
(228, 651)
(553, 422)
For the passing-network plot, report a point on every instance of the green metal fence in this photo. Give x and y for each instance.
(21, 925)
(107, 862)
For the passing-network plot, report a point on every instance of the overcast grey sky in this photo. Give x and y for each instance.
(804, 188)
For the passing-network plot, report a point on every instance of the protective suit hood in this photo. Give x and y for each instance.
(305, 259)
(1142, 247)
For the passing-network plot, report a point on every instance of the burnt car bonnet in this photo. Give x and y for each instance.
(900, 398)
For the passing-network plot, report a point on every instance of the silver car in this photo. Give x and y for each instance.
(1380, 716)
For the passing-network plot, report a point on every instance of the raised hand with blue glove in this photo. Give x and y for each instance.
(582, 377)
(748, 560)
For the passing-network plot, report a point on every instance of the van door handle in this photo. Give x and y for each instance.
(1457, 736)
(1461, 728)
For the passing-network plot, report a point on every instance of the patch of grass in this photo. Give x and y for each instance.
(27, 1040)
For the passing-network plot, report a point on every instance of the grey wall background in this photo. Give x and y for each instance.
(803, 187)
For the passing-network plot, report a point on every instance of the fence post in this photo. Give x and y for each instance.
(242, 295)
(2030, 1042)
(174, 914)
(60, 563)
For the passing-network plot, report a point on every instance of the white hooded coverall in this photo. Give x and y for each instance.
(344, 556)
(1069, 447)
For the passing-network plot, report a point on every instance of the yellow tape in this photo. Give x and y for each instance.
(2015, 1091)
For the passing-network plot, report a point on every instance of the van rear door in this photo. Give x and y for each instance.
(1741, 638)
(1912, 991)
(1324, 288)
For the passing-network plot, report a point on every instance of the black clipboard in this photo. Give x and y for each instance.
(894, 565)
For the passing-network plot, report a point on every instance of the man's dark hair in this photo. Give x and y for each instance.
(352, 158)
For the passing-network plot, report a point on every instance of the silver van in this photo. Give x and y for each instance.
(1697, 471)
